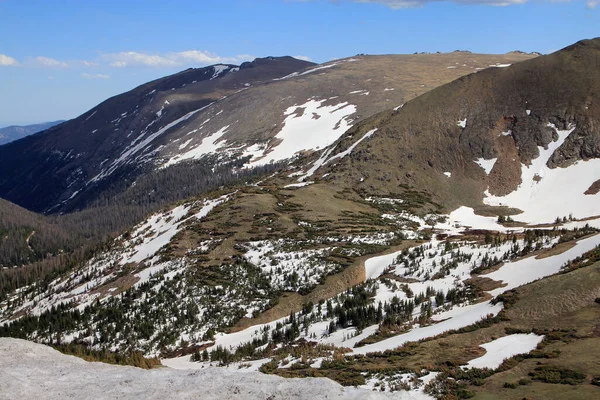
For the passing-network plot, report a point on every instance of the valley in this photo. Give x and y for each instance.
(423, 235)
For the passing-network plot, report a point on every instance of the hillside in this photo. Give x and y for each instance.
(448, 248)
(249, 114)
(15, 132)
(514, 132)
(28, 237)
(53, 166)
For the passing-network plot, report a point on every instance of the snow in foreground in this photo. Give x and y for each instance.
(500, 349)
(31, 370)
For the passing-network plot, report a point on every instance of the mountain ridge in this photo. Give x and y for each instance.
(15, 132)
(248, 127)
(54, 154)
(396, 258)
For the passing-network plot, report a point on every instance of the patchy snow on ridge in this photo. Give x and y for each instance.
(316, 127)
(560, 190)
(505, 347)
(297, 185)
(218, 69)
(349, 150)
(160, 228)
(323, 160)
(209, 144)
(135, 147)
(310, 71)
(462, 123)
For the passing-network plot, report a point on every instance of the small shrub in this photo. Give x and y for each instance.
(554, 374)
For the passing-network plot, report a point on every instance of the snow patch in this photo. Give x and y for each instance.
(508, 346)
(487, 165)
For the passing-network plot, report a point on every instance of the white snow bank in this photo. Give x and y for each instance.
(375, 266)
(32, 371)
(546, 193)
(316, 126)
(487, 165)
(520, 272)
(466, 217)
(209, 144)
(456, 318)
(218, 69)
(324, 160)
(310, 71)
(297, 185)
(500, 349)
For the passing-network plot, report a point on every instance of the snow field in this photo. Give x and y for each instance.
(316, 127)
(28, 367)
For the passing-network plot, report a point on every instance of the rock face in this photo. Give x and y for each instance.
(32, 370)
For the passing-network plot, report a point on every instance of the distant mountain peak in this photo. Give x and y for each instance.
(16, 132)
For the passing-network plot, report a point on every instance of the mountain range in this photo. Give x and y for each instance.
(181, 118)
(426, 224)
(14, 132)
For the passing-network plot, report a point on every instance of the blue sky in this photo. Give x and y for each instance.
(59, 58)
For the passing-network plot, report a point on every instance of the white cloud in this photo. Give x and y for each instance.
(172, 59)
(49, 62)
(134, 59)
(303, 58)
(87, 63)
(94, 76)
(397, 4)
(591, 4)
(6, 61)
